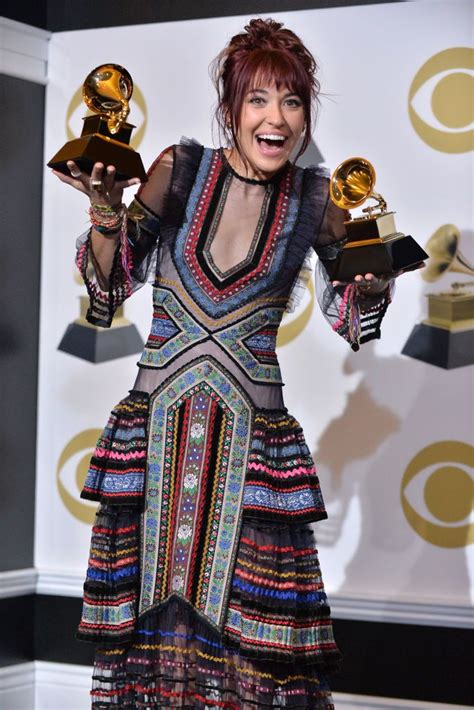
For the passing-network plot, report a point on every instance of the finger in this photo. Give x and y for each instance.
(96, 184)
(77, 184)
(97, 171)
(109, 178)
(64, 178)
(74, 169)
(128, 183)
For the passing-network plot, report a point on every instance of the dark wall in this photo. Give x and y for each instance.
(21, 137)
(27, 11)
(61, 15)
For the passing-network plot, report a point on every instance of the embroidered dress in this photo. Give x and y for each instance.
(204, 588)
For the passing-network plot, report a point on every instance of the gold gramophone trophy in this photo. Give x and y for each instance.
(373, 243)
(105, 134)
(446, 337)
(105, 138)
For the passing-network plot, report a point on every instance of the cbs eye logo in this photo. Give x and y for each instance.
(441, 101)
(71, 472)
(77, 110)
(445, 490)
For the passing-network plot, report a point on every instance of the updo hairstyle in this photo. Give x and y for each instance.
(265, 53)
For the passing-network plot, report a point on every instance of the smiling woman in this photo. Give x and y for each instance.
(204, 588)
(270, 127)
(267, 88)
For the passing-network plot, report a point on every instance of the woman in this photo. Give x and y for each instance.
(204, 588)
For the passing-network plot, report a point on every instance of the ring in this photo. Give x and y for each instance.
(97, 185)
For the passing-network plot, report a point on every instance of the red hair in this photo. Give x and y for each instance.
(265, 53)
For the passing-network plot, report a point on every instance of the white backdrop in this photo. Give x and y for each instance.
(365, 415)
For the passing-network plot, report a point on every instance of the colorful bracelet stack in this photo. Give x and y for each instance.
(112, 222)
(107, 220)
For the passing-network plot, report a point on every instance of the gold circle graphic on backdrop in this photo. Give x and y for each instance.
(84, 442)
(452, 100)
(77, 100)
(291, 327)
(448, 493)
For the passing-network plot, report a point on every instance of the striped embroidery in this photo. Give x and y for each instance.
(200, 424)
(111, 588)
(173, 330)
(117, 468)
(246, 284)
(281, 481)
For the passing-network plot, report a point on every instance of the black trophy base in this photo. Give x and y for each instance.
(99, 345)
(383, 258)
(441, 347)
(95, 148)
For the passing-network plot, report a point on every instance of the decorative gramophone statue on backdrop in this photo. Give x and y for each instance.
(105, 136)
(373, 243)
(446, 337)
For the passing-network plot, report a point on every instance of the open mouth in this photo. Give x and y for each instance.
(271, 141)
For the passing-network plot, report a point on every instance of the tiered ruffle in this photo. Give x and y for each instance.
(278, 608)
(117, 469)
(112, 582)
(281, 481)
(276, 644)
(275, 651)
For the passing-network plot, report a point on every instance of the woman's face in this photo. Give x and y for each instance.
(271, 123)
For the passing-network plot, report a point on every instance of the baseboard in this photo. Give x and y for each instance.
(69, 583)
(17, 686)
(60, 583)
(41, 685)
(420, 612)
(62, 685)
(367, 702)
(18, 582)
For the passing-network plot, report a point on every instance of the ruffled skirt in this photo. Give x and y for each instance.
(275, 646)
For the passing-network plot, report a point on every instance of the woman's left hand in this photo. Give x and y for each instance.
(371, 285)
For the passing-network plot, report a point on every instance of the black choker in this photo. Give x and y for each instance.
(251, 181)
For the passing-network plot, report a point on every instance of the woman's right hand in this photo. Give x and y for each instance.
(101, 189)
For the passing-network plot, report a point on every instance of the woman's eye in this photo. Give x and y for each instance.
(296, 103)
(256, 100)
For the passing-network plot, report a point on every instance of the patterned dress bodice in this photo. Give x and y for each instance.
(229, 310)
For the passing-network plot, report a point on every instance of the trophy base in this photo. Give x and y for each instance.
(93, 148)
(98, 345)
(441, 347)
(385, 257)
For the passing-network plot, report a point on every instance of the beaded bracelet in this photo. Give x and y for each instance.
(106, 219)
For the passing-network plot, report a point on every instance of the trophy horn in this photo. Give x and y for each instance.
(352, 183)
(445, 255)
(107, 90)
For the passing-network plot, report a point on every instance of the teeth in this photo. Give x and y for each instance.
(271, 137)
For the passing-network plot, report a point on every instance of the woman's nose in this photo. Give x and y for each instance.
(275, 115)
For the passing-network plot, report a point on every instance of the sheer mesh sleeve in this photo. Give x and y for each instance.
(357, 319)
(134, 260)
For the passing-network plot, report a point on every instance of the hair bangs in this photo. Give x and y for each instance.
(279, 69)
